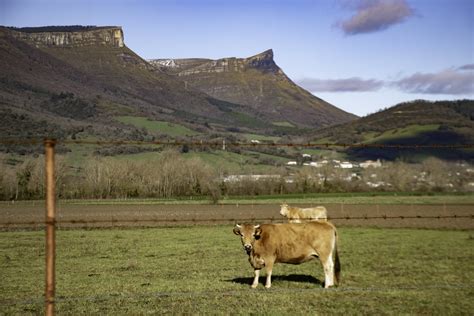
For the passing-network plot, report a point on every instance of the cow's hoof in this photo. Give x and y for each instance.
(254, 286)
(268, 286)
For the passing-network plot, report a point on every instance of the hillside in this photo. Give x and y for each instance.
(258, 82)
(80, 82)
(76, 82)
(412, 123)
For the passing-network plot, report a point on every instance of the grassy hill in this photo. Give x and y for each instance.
(259, 83)
(412, 123)
(102, 89)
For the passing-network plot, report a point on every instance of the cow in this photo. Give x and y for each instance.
(297, 215)
(268, 244)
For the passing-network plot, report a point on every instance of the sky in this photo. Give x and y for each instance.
(359, 55)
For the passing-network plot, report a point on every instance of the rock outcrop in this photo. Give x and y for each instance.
(185, 67)
(70, 36)
(258, 82)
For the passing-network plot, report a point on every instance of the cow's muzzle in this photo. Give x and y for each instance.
(248, 248)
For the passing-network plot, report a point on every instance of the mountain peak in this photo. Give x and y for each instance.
(263, 61)
(256, 82)
(268, 54)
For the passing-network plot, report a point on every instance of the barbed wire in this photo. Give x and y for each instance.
(196, 294)
(220, 143)
(52, 223)
(228, 220)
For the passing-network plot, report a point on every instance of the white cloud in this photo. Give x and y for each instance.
(354, 84)
(467, 67)
(451, 81)
(375, 15)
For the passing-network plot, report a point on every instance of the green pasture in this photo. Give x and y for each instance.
(247, 162)
(203, 270)
(405, 132)
(330, 154)
(244, 162)
(283, 124)
(261, 137)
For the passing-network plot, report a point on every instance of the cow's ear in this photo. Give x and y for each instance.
(237, 230)
(258, 231)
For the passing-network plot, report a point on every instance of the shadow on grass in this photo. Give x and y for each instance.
(302, 278)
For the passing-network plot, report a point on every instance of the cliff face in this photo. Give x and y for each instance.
(258, 82)
(74, 37)
(193, 66)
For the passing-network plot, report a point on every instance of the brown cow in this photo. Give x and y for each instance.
(267, 244)
(297, 215)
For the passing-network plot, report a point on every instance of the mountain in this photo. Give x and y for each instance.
(75, 76)
(411, 123)
(257, 82)
(83, 82)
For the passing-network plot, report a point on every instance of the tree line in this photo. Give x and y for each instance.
(174, 175)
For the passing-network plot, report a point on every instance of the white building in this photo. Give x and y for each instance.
(371, 163)
(346, 165)
(252, 177)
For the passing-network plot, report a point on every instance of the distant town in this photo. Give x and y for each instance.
(375, 174)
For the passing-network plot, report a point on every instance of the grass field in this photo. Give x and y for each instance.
(203, 270)
(261, 137)
(406, 132)
(283, 124)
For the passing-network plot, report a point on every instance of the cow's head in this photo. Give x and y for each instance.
(284, 209)
(248, 234)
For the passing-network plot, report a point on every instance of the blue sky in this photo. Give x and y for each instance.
(360, 55)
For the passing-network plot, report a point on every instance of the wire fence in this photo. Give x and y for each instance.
(51, 222)
(197, 221)
(220, 143)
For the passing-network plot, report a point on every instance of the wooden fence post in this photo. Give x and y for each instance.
(50, 226)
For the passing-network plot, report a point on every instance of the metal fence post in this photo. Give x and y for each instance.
(50, 226)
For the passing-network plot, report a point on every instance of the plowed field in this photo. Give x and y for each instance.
(450, 216)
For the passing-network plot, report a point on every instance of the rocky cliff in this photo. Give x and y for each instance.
(258, 82)
(192, 66)
(72, 36)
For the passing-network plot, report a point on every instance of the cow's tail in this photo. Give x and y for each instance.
(337, 262)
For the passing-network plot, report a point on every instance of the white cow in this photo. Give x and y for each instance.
(297, 215)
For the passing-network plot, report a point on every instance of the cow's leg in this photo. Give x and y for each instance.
(269, 268)
(255, 280)
(328, 266)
